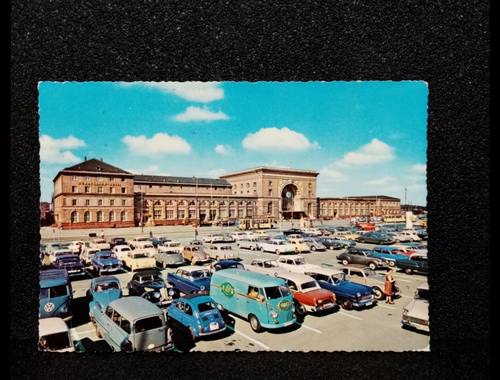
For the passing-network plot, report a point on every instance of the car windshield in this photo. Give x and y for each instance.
(275, 292)
(271, 264)
(173, 252)
(338, 278)
(106, 286)
(206, 306)
(200, 273)
(310, 285)
(53, 292)
(369, 272)
(422, 294)
(300, 261)
(55, 342)
(68, 260)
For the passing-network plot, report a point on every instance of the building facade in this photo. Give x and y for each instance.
(94, 194)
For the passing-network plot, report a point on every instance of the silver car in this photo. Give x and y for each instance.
(314, 244)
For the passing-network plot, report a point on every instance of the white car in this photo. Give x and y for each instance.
(54, 336)
(121, 251)
(239, 235)
(211, 238)
(416, 313)
(249, 243)
(398, 236)
(276, 246)
(137, 241)
(222, 252)
(75, 245)
(315, 231)
(102, 244)
(412, 235)
(54, 254)
(296, 263)
(261, 265)
(170, 246)
(261, 234)
(88, 254)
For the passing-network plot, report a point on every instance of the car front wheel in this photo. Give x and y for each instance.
(346, 304)
(262, 249)
(378, 293)
(392, 263)
(409, 271)
(254, 323)
(313, 248)
(372, 266)
(331, 248)
(345, 262)
(191, 335)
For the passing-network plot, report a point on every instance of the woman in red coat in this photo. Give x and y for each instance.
(388, 285)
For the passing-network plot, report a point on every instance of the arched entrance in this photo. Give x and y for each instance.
(290, 203)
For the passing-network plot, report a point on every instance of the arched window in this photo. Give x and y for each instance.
(100, 216)
(74, 217)
(270, 208)
(111, 216)
(123, 216)
(86, 216)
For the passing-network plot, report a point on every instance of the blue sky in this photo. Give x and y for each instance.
(363, 138)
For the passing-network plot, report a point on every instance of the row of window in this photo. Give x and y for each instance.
(100, 190)
(100, 179)
(99, 216)
(100, 202)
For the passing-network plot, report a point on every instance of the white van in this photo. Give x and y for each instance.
(416, 313)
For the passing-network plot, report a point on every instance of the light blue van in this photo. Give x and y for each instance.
(265, 301)
(56, 294)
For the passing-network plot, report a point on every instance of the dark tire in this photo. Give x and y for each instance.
(252, 248)
(396, 241)
(392, 263)
(191, 335)
(299, 308)
(362, 241)
(313, 248)
(346, 304)
(372, 266)
(347, 246)
(331, 248)
(409, 271)
(345, 262)
(97, 331)
(411, 239)
(379, 294)
(254, 323)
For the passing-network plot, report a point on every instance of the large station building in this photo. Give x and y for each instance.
(94, 194)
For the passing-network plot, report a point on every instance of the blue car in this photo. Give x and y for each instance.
(349, 295)
(388, 254)
(101, 292)
(198, 313)
(106, 262)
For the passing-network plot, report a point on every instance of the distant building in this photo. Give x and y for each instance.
(94, 194)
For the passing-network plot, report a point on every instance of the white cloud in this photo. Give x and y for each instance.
(150, 170)
(200, 114)
(420, 168)
(216, 172)
(202, 92)
(160, 143)
(58, 150)
(374, 152)
(277, 139)
(332, 175)
(225, 150)
(384, 181)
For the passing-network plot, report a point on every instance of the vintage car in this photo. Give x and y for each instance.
(60, 252)
(249, 243)
(54, 336)
(345, 243)
(71, 263)
(228, 238)
(398, 237)
(349, 294)
(225, 264)
(277, 246)
(75, 245)
(391, 255)
(331, 243)
(412, 234)
(133, 324)
(106, 262)
(52, 246)
(195, 254)
(138, 241)
(295, 263)
(314, 244)
(150, 285)
(346, 235)
(375, 237)
(121, 250)
(259, 233)
(213, 238)
(299, 243)
(101, 292)
(190, 279)
(362, 256)
(170, 246)
(308, 296)
(416, 262)
(138, 259)
(100, 243)
(158, 240)
(313, 230)
(402, 249)
(87, 255)
(222, 252)
(416, 313)
(195, 242)
(364, 275)
(56, 294)
(198, 313)
(266, 266)
(170, 258)
(114, 241)
(294, 231)
(239, 235)
(416, 247)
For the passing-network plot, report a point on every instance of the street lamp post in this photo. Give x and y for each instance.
(142, 211)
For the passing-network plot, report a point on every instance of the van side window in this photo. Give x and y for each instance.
(109, 312)
(253, 292)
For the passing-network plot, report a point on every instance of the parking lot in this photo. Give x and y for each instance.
(377, 327)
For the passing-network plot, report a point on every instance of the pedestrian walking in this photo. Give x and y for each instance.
(102, 234)
(150, 234)
(388, 286)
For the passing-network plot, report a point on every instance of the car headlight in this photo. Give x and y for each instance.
(358, 295)
(405, 311)
(274, 315)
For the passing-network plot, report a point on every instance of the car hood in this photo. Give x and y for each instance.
(354, 288)
(418, 309)
(319, 293)
(106, 296)
(107, 261)
(201, 255)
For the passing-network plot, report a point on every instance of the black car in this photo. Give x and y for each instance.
(117, 241)
(292, 231)
(226, 264)
(330, 243)
(150, 285)
(375, 237)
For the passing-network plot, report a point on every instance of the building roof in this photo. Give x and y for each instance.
(265, 169)
(93, 166)
(180, 180)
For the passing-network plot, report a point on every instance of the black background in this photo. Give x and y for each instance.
(445, 43)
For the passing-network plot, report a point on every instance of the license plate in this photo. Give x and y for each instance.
(214, 326)
(328, 306)
(287, 323)
(72, 271)
(368, 303)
